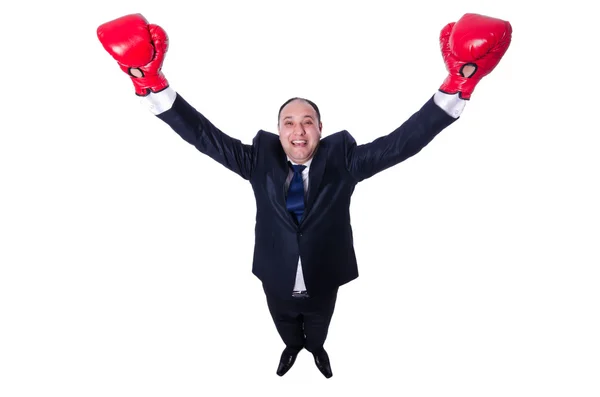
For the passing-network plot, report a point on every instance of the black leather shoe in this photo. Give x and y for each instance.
(288, 358)
(322, 361)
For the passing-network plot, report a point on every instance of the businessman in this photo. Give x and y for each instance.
(302, 182)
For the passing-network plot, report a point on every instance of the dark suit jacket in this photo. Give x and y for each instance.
(324, 237)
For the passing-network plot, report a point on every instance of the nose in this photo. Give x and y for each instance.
(299, 129)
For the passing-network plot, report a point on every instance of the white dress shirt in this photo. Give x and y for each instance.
(299, 285)
(162, 101)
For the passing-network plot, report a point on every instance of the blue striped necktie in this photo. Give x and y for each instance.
(295, 196)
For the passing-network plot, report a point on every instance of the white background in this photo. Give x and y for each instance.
(125, 254)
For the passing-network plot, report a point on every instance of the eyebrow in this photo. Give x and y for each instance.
(306, 115)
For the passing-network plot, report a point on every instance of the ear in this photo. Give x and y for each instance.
(320, 127)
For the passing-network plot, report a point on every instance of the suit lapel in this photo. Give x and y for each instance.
(315, 176)
(279, 174)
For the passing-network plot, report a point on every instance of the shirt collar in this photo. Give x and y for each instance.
(307, 164)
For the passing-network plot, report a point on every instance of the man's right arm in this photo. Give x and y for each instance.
(140, 49)
(198, 131)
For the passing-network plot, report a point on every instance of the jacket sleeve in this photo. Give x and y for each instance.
(364, 161)
(198, 131)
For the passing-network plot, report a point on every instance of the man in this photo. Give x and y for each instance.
(302, 184)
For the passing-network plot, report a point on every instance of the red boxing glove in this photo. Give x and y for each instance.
(139, 48)
(471, 48)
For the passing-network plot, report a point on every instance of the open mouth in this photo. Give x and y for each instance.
(299, 142)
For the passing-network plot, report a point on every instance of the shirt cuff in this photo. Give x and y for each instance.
(450, 103)
(159, 102)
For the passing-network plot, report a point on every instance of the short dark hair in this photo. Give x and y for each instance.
(311, 103)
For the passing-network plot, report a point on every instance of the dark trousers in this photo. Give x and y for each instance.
(302, 322)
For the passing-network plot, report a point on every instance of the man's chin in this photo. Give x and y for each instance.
(300, 156)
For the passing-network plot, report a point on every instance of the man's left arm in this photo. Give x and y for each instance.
(471, 48)
(366, 160)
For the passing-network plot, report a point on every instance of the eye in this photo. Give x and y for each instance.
(288, 123)
(309, 122)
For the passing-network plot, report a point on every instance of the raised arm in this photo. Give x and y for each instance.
(471, 49)
(366, 160)
(140, 48)
(198, 131)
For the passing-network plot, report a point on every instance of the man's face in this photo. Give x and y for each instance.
(299, 131)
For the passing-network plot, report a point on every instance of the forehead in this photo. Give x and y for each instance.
(298, 108)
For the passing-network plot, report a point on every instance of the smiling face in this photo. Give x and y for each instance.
(299, 130)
